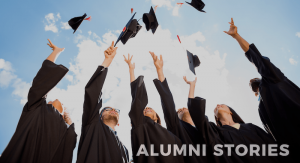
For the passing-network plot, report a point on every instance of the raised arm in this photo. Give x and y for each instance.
(46, 78)
(92, 97)
(131, 67)
(196, 106)
(233, 32)
(139, 101)
(167, 101)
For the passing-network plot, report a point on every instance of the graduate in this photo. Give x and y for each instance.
(279, 98)
(229, 132)
(99, 142)
(146, 130)
(45, 132)
(179, 123)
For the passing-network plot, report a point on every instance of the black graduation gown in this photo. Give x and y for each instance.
(247, 134)
(42, 134)
(279, 107)
(187, 133)
(97, 143)
(145, 131)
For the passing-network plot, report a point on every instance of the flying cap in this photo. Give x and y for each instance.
(193, 61)
(197, 4)
(150, 20)
(129, 31)
(76, 21)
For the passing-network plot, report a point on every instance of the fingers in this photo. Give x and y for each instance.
(184, 78)
(232, 21)
(225, 32)
(112, 44)
(130, 58)
(196, 79)
(125, 58)
(161, 58)
(50, 42)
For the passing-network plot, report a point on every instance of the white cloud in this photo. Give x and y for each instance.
(8, 78)
(51, 19)
(298, 34)
(69, 77)
(161, 3)
(90, 32)
(175, 11)
(65, 25)
(293, 61)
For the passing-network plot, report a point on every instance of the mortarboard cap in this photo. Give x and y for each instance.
(129, 31)
(193, 61)
(197, 4)
(150, 20)
(75, 22)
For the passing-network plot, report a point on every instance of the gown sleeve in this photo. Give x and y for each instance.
(196, 108)
(139, 101)
(168, 105)
(264, 66)
(92, 96)
(267, 137)
(46, 79)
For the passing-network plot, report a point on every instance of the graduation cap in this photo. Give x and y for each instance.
(150, 20)
(76, 21)
(129, 31)
(197, 4)
(193, 61)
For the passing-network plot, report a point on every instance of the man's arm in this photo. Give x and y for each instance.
(92, 97)
(46, 78)
(233, 32)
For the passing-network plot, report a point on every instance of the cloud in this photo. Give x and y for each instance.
(8, 78)
(50, 24)
(65, 25)
(298, 34)
(161, 3)
(175, 11)
(293, 61)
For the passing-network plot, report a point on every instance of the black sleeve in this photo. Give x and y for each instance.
(264, 66)
(92, 96)
(168, 105)
(196, 108)
(267, 137)
(46, 78)
(139, 101)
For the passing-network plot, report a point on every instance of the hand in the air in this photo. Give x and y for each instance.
(54, 47)
(110, 52)
(128, 61)
(190, 82)
(232, 30)
(159, 63)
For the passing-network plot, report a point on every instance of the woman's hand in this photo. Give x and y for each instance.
(109, 54)
(232, 30)
(54, 47)
(159, 63)
(128, 61)
(190, 82)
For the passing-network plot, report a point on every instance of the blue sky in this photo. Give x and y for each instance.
(272, 26)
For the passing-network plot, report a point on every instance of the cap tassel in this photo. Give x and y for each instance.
(89, 18)
(155, 8)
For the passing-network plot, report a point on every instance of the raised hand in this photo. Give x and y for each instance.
(190, 82)
(128, 61)
(109, 54)
(54, 47)
(159, 63)
(232, 30)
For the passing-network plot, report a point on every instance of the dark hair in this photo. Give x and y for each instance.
(235, 117)
(254, 84)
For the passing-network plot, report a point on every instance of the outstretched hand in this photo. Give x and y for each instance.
(190, 82)
(54, 47)
(128, 61)
(109, 54)
(159, 63)
(232, 30)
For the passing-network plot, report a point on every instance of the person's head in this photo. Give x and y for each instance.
(183, 113)
(110, 114)
(149, 112)
(58, 106)
(226, 113)
(254, 85)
